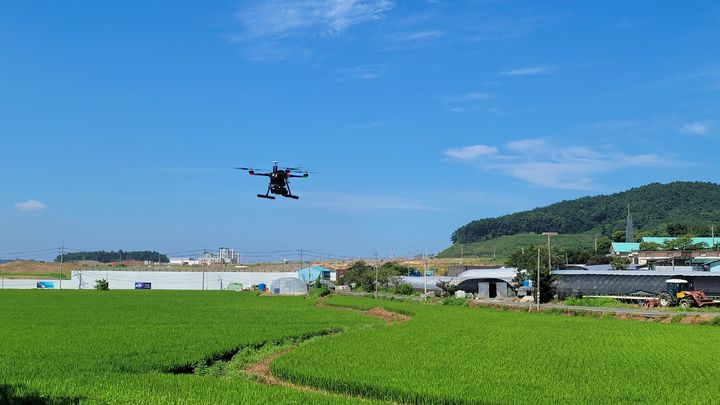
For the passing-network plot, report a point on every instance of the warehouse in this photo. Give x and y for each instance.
(614, 282)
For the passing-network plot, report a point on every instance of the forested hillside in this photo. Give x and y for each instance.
(653, 207)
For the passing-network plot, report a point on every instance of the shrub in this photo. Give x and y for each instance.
(404, 289)
(102, 285)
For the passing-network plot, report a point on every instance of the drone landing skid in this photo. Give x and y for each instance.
(294, 197)
(269, 197)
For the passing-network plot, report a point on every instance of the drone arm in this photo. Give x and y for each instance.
(299, 175)
(260, 174)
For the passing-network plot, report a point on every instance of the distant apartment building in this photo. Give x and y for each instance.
(224, 256)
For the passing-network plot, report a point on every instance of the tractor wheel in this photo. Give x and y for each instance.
(665, 299)
(686, 303)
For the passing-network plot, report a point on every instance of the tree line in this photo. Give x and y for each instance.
(112, 256)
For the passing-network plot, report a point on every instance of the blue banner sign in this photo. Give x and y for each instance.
(45, 284)
(142, 286)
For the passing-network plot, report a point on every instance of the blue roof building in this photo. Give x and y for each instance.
(310, 274)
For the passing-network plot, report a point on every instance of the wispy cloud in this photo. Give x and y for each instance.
(695, 128)
(419, 35)
(526, 145)
(30, 205)
(373, 124)
(470, 152)
(536, 70)
(473, 101)
(284, 18)
(370, 72)
(542, 164)
(273, 30)
(467, 97)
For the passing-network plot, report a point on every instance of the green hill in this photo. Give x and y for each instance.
(501, 247)
(653, 207)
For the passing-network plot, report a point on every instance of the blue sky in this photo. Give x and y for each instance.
(120, 121)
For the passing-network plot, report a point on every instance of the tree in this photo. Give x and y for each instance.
(598, 259)
(448, 289)
(618, 236)
(700, 230)
(361, 275)
(526, 261)
(577, 256)
(603, 245)
(650, 246)
(619, 263)
(683, 242)
(677, 229)
(642, 234)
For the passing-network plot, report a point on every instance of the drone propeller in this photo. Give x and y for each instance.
(243, 168)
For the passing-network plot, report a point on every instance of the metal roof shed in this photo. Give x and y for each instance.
(310, 274)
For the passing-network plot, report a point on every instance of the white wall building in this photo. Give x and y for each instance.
(184, 261)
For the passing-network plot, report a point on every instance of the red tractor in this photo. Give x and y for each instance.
(680, 292)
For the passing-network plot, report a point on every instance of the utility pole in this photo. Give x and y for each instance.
(425, 276)
(62, 254)
(537, 287)
(301, 258)
(596, 244)
(712, 235)
(548, 234)
(376, 275)
(462, 253)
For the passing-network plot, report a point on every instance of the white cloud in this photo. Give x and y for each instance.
(527, 71)
(539, 163)
(526, 145)
(695, 128)
(468, 153)
(284, 18)
(30, 205)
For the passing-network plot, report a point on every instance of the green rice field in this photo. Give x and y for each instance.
(460, 355)
(120, 346)
(178, 346)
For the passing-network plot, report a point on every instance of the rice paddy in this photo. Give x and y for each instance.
(193, 346)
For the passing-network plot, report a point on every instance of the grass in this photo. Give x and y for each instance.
(598, 302)
(461, 355)
(120, 346)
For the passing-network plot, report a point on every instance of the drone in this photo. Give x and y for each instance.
(279, 180)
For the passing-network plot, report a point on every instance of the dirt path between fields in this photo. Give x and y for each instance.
(260, 371)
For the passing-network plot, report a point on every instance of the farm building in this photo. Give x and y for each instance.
(288, 286)
(626, 282)
(311, 273)
(487, 283)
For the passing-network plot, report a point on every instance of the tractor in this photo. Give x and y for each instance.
(680, 292)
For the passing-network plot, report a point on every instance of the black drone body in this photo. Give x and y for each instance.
(279, 180)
